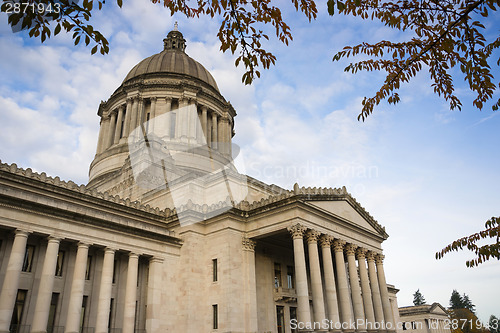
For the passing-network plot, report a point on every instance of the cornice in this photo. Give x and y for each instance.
(13, 173)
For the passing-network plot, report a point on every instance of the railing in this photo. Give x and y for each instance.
(285, 294)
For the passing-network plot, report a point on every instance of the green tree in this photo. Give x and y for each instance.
(461, 302)
(418, 298)
(468, 304)
(456, 301)
(483, 252)
(442, 35)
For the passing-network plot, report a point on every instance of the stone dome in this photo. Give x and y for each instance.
(172, 59)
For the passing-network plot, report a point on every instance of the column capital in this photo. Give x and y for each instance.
(326, 240)
(22, 232)
(379, 259)
(204, 108)
(84, 244)
(157, 260)
(370, 256)
(361, 253)
(109, 250)
(133, 255)
(248, 244)
(312, 236)
(129, 100)
(54, 239)
(153, 99)
(297, 230)
(121, 107)
(350, 249)
(338, 245)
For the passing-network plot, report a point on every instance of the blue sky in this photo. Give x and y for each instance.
(428, 174)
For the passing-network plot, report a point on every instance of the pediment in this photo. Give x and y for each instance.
(438, 309)
(346, 211)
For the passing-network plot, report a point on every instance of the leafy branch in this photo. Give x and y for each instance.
(484, 252)
(445, 36)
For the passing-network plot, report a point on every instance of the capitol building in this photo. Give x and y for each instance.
(170, 236)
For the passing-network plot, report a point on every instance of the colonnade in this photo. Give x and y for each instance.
(208, 128)
(72, 321)
(352, 300)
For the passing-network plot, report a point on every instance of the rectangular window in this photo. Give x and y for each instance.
(148, 115)
(83, 313)
(214, 270)
(89, 265)
(215, 317)
(52, 312)
(17, 314)
(60, 263)
(110, 318)
(293, 316)
(277, 275)
(290, 277)
(280, 318)
(115, 270)
(28, 258)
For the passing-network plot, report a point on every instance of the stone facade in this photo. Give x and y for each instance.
(425, 318)
(169, 237)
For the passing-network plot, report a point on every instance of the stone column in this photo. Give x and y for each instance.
(365, 289)
(180, 119)
(128, 115)
(152, 115)
(104, 301)
(204, 123)
(140, 116)
(209, 132)
(118, 127)
(316, 283)
(130, 294)
(133, 114)
(168, 117)
(100, 139)
(299, 257)
(77, 285)
(111, 130)
(46, 287)
(11, 281)
(377, 301)
(192, 121)
(214, 130)
(153, 305)
(250, 285)
(330, 289)
(384, 294)
(343, 291)
(357, 301)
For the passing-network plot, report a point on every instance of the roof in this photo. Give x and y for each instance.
(172, 60)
